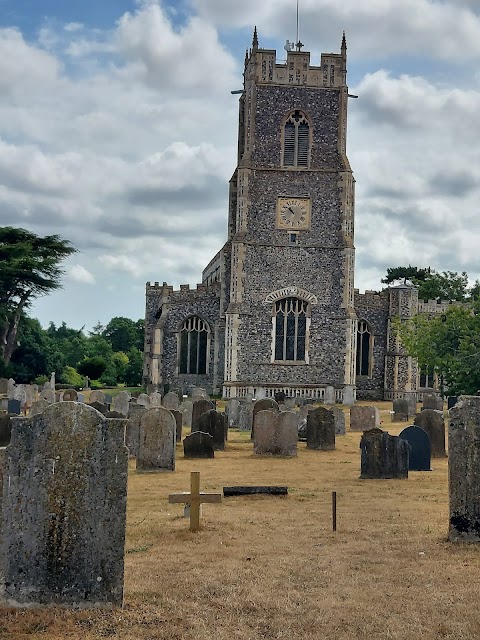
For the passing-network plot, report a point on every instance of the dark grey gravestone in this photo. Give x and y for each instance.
(339, 415)
(214, 423)
(156, 450)
(64, 534)
(100, 406)
(383, 455)
(451, 402)
(199, 407)
(419, 456)
(400, 410)
(321, 429)
(464, 470)
(116, 414)
(5, 428)
(15, 407)
(198, 445)
(178, 415)
(432, 401)
(434, 424)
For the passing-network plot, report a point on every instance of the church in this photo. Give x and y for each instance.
(277, 309)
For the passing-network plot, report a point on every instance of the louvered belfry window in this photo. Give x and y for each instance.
(290, 329)
(296, 141)
(193, 346)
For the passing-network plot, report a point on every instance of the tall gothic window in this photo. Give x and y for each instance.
(193, 346)
(364, 349)
(296, 141)
(290, 327)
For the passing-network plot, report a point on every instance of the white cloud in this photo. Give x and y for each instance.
(78, 273)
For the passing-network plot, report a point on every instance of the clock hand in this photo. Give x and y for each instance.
(290, 209)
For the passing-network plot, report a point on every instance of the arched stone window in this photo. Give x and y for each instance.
(364, 349)
(290, 330)
(194, 341)
(296, 140)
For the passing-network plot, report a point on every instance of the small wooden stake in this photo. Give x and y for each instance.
(194, 499)
(334, 510)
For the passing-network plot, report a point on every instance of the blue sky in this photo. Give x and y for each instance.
(110, 136)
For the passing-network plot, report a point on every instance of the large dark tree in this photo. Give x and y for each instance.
(433, 285)
(29, 268)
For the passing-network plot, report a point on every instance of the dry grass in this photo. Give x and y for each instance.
(270, 567)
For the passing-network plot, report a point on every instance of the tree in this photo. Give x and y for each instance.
(92, 367)
(36, 355)
(432, 285)
(412, 274)
(29, 268)
(124, 334)
(133, 370)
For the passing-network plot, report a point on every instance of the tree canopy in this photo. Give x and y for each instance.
(450, 286)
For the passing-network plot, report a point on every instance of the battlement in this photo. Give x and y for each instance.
(375, 299)
(433, 306)
(167, 291)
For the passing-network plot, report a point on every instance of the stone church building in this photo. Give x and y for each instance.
(277, 309)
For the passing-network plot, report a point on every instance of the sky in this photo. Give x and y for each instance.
(118, 131)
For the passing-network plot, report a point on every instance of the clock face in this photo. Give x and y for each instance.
(293, 213)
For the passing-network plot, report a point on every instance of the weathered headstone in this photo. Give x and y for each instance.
(14, 407)
(464, 470)
(64, 534)
(214, 423)
(245, 418)
(433, 423)
(156, 400)
(99, 406)
(348, 398)
(5, 428)
(260, 394)
(21, 395)
(38, 407)
(132, 434)
(400, 410)
(364, 418)
(198, 445)
(321, 429)
(411, 398)
(232, 410)
(97, 396)
(275, 433)
(432, 401)
(290, 403)
(199, 407)
(383, 455)
(156, 450)
(48, 395)
(179, 422)
(117, 415)
(187, 408)
(11, 388)
(339, 417)
(266, 404)
(304, 410)
(329, 397)
(120, 402)
(70, 395)
(170, 401)
(143, 400)
(419, 456)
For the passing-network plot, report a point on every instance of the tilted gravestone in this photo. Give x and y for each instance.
(364, 418)
(276, 433)
(132, 434)
(266, 404)
(198, 445)
(419, 456)
(179, 422)
(120, 402)
(464, 470)
(170, 400)
(156, 449)
(321, 429)
(64, 534)
(5, 428)
(383, 455)
(214, 423)
(96, 396)
(400, 410)
(70, 395)
(199, 407)
(433, 423)
(38, 407)
(432, 401)
(339, 416)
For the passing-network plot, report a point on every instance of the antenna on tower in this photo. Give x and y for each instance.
(299, 44)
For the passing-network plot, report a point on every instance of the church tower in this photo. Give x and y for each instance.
(288, 297)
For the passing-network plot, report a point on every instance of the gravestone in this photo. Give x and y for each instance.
(266, 404)
(290, 403)
(433, 423)
(143, 400)
(329, 396)
(117, 415)
(156, 450)
(339, 417)
(260, 394)
(304, 410)
(70, 395)
(179, 422)
(170, 401)
(108, 399)
(14, 407)
(80, 397)
(199, 407)
(197, 391)
(52, 381)
(30, 396)
(21, 395)
(232, 411)
(400, 410)
(245, 417)
(99, 406)
(214, 423)
(464, 470)
(97, 396)
(432, 401)
(187, 409)
(451, 401)
(58, 396)
(48, 395)
(279, 397)
(155, 400)
(64, 534)
(275, 433)
(11, 388)
(5, 428)
(411, 398)
(198, 445)
(321, 430)
(419, 456)
(3, 386)
(364, 418)
(348, 398)
(383, 455)
(120, 402)
(132, 434)
(38, 407)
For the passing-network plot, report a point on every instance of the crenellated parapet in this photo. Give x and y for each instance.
(372, 300)
(433, 307)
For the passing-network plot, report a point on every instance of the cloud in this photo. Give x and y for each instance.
(78, 273)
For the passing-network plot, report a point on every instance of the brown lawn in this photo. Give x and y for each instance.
(271, 567)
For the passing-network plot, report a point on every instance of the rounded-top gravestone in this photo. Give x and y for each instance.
(265, 404)
(199, 407)
(156, 449)
(419, 455)
(96, 396)
(70, 395)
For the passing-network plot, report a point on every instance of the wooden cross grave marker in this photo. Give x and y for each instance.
(194, 499)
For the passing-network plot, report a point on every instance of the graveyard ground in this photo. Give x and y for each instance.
(271, 567)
